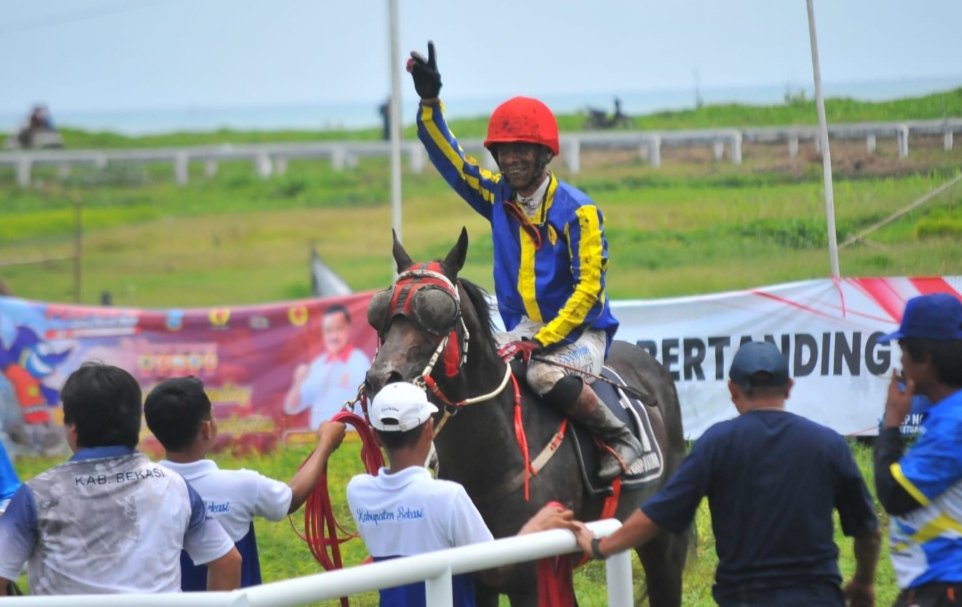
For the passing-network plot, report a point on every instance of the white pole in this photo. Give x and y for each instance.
(823, 138)
(395, 120)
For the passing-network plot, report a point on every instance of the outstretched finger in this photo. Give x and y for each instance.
(432, 56)
(896, 377)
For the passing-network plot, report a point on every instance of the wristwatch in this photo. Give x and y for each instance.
(596, 549)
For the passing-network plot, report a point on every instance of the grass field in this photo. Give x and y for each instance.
(284, 555)
(692, 226)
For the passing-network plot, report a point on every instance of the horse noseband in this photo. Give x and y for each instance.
(426, 297)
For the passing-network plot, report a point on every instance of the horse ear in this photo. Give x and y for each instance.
(456, 256)
(401, 257)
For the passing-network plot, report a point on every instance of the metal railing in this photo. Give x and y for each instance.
(435, 569)
(272, 158)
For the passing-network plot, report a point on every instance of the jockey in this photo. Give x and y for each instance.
(550, 254)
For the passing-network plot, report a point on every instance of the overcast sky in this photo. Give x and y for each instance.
(107, 54)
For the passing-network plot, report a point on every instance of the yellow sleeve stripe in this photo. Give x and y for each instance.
(456, 157)
(936, 528)
(899, 477)
(588, 290)
(527, 277)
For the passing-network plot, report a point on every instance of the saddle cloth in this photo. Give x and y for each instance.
(631, 411)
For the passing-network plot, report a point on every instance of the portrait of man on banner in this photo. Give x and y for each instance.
(323, 385)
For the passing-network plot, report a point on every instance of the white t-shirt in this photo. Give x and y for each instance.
(235, 497)
(410, 512)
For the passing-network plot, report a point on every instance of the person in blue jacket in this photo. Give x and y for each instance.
(550, 253)
(9, 481)
(921, 487)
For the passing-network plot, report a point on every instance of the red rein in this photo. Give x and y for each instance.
(320, 526)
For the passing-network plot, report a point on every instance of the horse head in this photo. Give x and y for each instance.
(427, 323)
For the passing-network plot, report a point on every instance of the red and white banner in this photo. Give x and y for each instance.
(827, 329)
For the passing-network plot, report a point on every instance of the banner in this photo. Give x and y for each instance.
(272, 372)
(828, 330)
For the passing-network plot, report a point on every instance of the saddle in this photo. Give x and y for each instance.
(633, 413)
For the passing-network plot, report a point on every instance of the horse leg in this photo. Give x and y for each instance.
(524, 597)
(485, 595)
(664, 561)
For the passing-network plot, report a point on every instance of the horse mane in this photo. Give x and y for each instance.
(479, 301)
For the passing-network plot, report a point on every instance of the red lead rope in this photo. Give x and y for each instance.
(320, 526)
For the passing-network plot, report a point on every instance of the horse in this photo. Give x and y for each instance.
(436, 331)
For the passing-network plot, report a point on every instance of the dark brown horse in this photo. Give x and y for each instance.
(437, 329)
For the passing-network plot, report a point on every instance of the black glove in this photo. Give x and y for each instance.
(427, 80)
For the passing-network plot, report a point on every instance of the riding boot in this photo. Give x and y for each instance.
(590, 411)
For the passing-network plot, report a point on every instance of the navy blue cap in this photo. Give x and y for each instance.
(935, 316)
(759, 356)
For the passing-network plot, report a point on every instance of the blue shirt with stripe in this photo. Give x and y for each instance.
(927, 542)
(9, 481)
(560, 284)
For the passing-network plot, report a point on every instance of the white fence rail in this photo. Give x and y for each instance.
(435, 569)
(271, 158)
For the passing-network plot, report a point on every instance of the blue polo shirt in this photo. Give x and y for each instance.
(9, 481)
(772, 480)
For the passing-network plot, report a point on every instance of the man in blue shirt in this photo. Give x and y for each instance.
(9, 481)
(922, 489)
(772, 479)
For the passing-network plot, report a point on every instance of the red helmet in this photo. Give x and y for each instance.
(523, 120)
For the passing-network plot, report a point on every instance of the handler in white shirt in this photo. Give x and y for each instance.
(178, 412)
(404, 511)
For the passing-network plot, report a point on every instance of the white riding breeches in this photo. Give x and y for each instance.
(587, 353)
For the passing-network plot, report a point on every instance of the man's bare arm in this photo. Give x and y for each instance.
(224, 573)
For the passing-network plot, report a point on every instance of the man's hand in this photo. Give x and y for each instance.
(300, 372)
(427, 80)
(859, 594)
(522, 349)
(584, 537)
(329, 435)
(550, 517)
(899, 402)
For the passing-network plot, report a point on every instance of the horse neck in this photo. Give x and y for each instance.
(475, 445)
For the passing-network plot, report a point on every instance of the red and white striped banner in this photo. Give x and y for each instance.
(827, 329)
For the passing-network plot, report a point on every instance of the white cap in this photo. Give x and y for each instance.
(400, 407)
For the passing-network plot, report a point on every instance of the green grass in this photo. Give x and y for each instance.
(284, 556)
(679, 230)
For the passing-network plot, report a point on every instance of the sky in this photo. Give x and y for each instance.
(149, 54)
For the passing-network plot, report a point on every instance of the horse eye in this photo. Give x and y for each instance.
(378, 308)
(435, 310)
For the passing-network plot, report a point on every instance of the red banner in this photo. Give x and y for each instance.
(272, 372)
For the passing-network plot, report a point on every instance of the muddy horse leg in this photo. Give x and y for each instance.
(664, 561)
